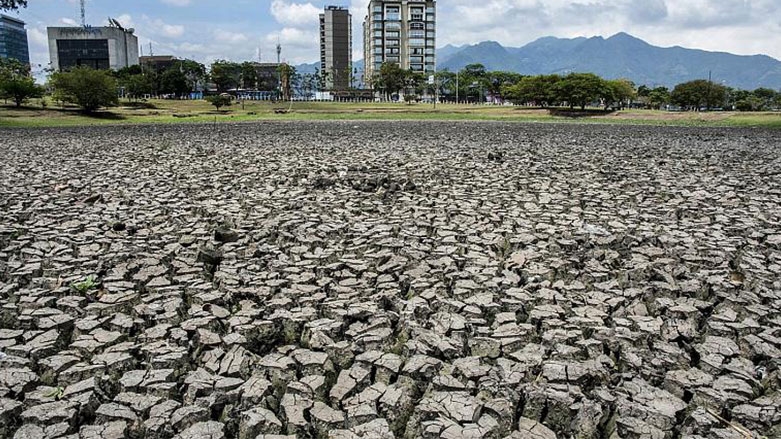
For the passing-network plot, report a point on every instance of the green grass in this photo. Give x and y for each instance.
(178, 112)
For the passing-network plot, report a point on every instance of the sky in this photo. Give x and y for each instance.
(237, 30)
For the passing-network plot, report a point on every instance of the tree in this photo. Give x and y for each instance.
(20, 89)
(539, 91)
(226, 75)
(89, 89)
(137, 86)
(580, 89)
(658, 97)
(219, 101)
(699, 93)
(194, 71)
(413, 85)
(6, 5)
(249, 76)
(618, 91)
(287, 74)
(391, 78)
(174, 81)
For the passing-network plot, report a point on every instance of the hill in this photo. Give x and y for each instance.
(620, 56)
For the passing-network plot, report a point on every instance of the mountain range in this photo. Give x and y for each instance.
(620, 56)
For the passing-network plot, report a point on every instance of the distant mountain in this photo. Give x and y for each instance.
(620, 56)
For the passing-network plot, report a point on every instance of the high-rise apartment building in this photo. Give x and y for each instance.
(13, 39)
(402, 32)
(336, 47)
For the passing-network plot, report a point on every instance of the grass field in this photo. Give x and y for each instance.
(171, 111)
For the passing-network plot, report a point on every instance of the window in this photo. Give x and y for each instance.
(391, 43)
(416, 59)
(417, 34)
(91, 53)
(393, 34)
(416, 25)
(417, 42)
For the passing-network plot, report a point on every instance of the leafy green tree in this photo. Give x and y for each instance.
(766, 96)
(391, 79)
(539, 91)
(174, 81)
(226, 75)
(700, 93)
(618, 91)
(580, 89)
(249, 76)
(497, 82)
(6, 5)
(219, 101)
(658, 97)
(20, 89)
(194, 71)
(137, 86)
(89, 89)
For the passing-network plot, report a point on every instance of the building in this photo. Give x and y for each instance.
(401, 32)
(97, 47)
(157, 63)
(336, 48)
(13, 39)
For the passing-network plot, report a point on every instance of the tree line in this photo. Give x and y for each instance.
(474, 83)
(92, 89)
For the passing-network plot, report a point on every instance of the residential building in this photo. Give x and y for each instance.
(97, 47)
(401, 32)
(13, 39)
(336, 48)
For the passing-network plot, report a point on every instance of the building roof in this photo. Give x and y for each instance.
(12, 19)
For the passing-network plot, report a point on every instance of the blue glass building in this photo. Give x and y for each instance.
(13, 39)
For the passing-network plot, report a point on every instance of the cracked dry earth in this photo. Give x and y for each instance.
(390, 280)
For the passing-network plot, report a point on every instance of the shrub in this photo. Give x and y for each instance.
(219, 101)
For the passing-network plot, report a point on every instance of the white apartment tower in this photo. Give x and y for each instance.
(402, 32)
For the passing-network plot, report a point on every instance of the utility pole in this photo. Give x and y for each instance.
(279, 66)
(83, 13)
(457, 87)
(707, 97)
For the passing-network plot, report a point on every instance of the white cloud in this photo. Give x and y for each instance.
(295, 14)
(68, 21)
(224, 36)
(176, 2)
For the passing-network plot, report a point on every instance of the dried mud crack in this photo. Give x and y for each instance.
(390, 280)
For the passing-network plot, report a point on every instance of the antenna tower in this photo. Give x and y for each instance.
(83, 13)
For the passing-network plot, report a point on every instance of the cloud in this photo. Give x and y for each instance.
(224, 36)
(295, 14)
(68, 21)
(176, 2)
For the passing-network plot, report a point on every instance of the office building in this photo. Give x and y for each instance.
(401, 32)
(97, 47)
(336, 47)
(13, 39)
(157, 63)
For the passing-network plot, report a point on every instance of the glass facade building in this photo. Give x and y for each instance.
(88, 53)
(13, 39)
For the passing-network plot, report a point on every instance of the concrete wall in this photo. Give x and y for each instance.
(122, 45)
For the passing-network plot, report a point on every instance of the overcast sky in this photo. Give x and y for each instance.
(234, 29)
